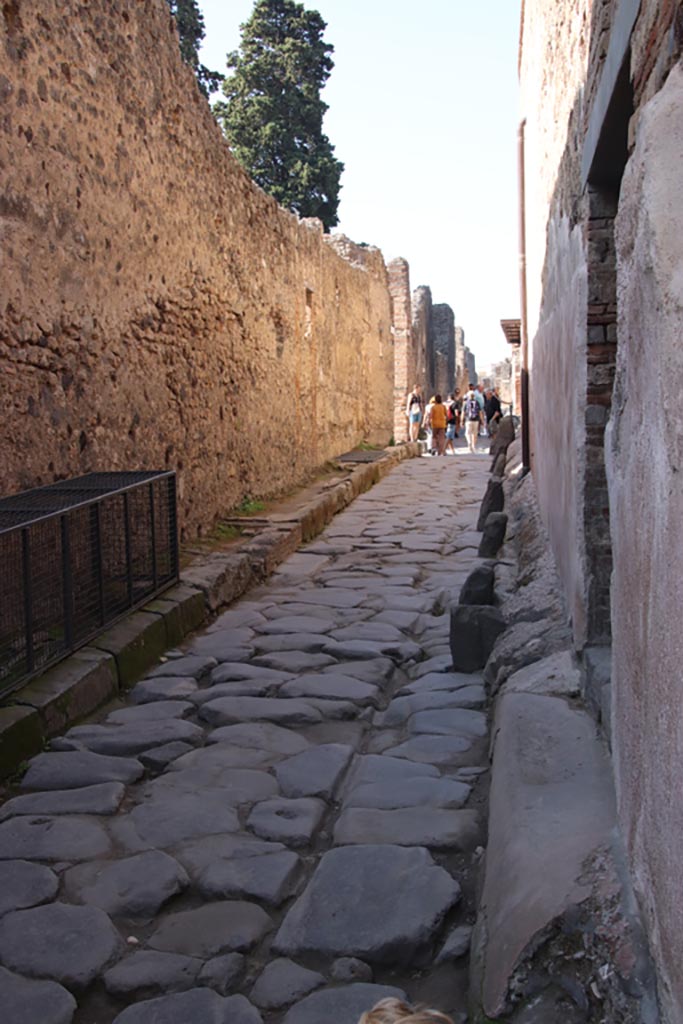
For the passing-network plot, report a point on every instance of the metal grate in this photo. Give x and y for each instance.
(75, 557)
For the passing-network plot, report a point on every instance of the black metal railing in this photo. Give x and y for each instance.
(75, 557)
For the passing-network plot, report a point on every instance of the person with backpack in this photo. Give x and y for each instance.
(414, 412)
(452, 422)
(472, 412)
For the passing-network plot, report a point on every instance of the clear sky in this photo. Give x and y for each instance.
(423, 113)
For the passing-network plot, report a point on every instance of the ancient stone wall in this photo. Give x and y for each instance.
(405, 356)
(424, 353)
(442, 338)
(157, 309)
(460, 360)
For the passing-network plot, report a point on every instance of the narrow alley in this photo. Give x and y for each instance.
(285, 820)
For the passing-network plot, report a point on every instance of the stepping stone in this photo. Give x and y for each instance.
(283, 982)
(231, 710)
(233, 672)
(307, 643)
(236, 785)
(315, 772)
(240, 866)
(294, 662)
(198, 1006)
(159, 757)
(436, 750)
(125, 740)
(135, 886)
(383, 904)
(70, 945)
(193, 665)
(449, 722)
(370, 769)
(224, 927)
(455, 946)
(52, 839)
(23, 885)
(333, 686)
(34, 1002)
(163, 688)
(148, 973)
(104, 798)
(297, 624)
(79, 768)
(174, 816)
(292, 821)
(403, 708)
(223, 973)
(409, 826)
(262, 736)
(412, 792)
(150, 712)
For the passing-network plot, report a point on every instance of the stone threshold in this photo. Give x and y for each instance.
(112, 663)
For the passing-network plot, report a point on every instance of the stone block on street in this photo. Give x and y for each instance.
(478, 588)
(134, 886)
(227, 926)
(72, 769)
(25, 1001)
(283, 982)
(493, 500)
(315, 772)
(474, 630)
(24, 885)
(494, 534)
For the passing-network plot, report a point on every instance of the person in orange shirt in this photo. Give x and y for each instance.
(438, 417)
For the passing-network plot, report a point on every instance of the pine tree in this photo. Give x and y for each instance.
(273, 115)
(190, 24)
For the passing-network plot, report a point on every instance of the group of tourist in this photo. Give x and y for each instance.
(479, 411)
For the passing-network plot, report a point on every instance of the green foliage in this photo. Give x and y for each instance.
(190, 23)
(249, 507)
(273, 112)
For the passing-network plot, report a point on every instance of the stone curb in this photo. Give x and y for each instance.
(116, 659)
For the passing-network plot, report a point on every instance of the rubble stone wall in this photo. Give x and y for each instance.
(157, 309)
(422, 315)
(443, 343)
(405, 356)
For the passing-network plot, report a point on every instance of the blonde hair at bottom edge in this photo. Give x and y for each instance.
(393, 1011)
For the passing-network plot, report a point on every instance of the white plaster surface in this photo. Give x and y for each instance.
(645, 473)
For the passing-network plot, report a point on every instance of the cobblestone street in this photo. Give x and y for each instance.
(283, 824)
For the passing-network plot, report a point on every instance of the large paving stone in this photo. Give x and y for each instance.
(403, 708)
(240, 866)
(449, 722)
(343, 1005)
(223, 973)
(237, 688)
(130, 739)
(158, 758)
(375, 632)
(412, 792)
(294, 662)
(409, 826)
(79, 768)
(446, 751)
(282, 982)
(291, 821)
(173, 816)
(315, 772)
(451, 681)
(212, 760)
(223, 646)
(374, 670)
(239, 785)
(235, 672)
(104, 798)
(332, 597)
(135, 886)
(193, 665)
(147, 974)
(261, 736)
(381, 903)
(224, 927)
(306, 643)
(23, 885)
(375, 768)
(151, 712)
(333, 686)
(163, 688)
(196, 1006)
(296, 624)
(70, 945)
(34, 1002)
(53, 839)
(231, 710)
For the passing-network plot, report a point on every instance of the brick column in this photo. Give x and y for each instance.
(405, 369)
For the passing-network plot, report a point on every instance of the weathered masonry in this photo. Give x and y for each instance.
(157, 309)
(602, 149)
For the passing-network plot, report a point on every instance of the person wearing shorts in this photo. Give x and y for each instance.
(415, 412)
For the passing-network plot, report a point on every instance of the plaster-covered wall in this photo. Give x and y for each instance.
(157, 309)
(645, 473)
